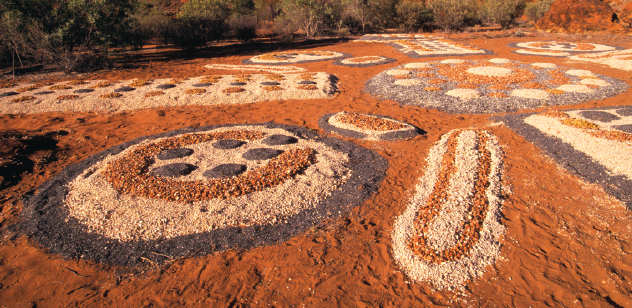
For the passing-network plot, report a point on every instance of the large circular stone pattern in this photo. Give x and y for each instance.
(199, 191)
(490, 86)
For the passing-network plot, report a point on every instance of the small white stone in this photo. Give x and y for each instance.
(596, 82)
(500, 61)
(397, 72)
(464, 94)
(530, 93)
(577, 88)
(490, 71)
(408, 82)
(544, 65)
(580, 73)
(453, 61)
(416, 65)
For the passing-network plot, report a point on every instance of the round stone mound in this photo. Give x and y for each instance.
(279, 140)
(490, 86)
(225, 171)
(261, 153)
(165, 86)
(124, 89)
(226, 144)
(174, 170)
(174, 153)
(111, 207)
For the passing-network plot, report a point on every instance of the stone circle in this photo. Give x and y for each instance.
(104, 210)
(484, 86)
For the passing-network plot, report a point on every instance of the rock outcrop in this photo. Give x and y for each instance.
(579, 16)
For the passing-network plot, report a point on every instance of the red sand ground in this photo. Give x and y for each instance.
(567, 243)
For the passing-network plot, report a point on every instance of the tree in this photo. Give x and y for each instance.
(303, 15)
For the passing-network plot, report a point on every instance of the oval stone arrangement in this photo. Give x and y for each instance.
(364, 61)
(102, 96)
(294, 57)
(199, 190)
(450, 230)
(560, 49)
(367, 126)
(490, 86)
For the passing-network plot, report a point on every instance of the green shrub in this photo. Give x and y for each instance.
(535, 10)
(413, 15)
(243, 27)
(502, 12)
(189, 33)
(306, 16)
(452, 14)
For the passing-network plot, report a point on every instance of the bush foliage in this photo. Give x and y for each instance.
(80, 34)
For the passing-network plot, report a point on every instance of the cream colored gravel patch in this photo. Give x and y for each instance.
(92, 102)
(464, 94)
(499, 61)
(371, 134)
(596, 82)
(397, 72)
(614, 155)
(490, 71)
(452, 274)
(530, 93)
(94, 202)
(580, 73)
(408, 82)
(415, 65)
(543, 65)
(576, 88)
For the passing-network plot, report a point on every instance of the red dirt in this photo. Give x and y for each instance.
(567, 242)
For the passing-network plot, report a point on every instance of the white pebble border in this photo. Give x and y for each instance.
(614, 155)
(177, 96)
(96, 204)
(540, 53)
(364, 60)
(564, 46)
(621, 59)
(453, 274)
(296, 57)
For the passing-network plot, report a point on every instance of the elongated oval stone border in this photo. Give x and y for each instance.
(450, 231)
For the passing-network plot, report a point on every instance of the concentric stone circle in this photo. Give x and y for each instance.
(87, 217)
(364, 61)
(560, 49)
(490, 86)
(295, 56)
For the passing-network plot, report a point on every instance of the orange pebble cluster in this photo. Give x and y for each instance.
(232, 90)
(129, 174)
(111, 95)
(22, 99)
